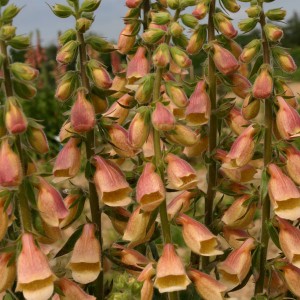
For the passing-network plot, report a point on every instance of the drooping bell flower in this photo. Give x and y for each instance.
(170, 272)
(50, 203)
(235, 237)
(198, 109)
(236, 266)
(293, 163)
(38, 140)
(150, 190)
(139, 66)
(15, 120)
(126, 39)
(197, 237)
(162, 119)
(67, 163)
(11, 174)
(263, 84)
(292, 277)
(239, 215)
(8, 271)
(181, 175)
(250, 108)
(85, 262)
(289, 238)
(179, 204)
(236, 121)
(284, 89)
(287, 120)
(240, 85)
(206, 286)
(284, 195)
(82, 113)
(183, 136)
(197, 149)
(35, 278)
(111, 185)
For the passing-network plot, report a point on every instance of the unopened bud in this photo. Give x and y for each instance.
(189, 20)
(263, 84)
(201, 9)
(273, 33)
(247, 25)
(7, 32)
(67, 52)
(276, 14)
(9, 13)
(67, 86)
(240, 85)
(83, 24)
(224, 25)
(180, 57)
(38, 140)
(253, 11)
(127, 38)
(162, 118)
(145, 90)
(23, 71)
(98, 74)
(62, 11)
(250, 108)
(173, 4)
(24, 90)
(161, 18)
(231, 5)
(89, 5)
(19, 42)
(176, 29)
(284, 59)
(196, 40)
(176, 94)
(68, 35)
(15, 120)
(250, 51)
(99, 101)
(153, 35)
(161, 57)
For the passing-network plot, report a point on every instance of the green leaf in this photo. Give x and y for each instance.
(264, 185)
(256, 261)
(273, 233)
(258, 63)
(37, 222)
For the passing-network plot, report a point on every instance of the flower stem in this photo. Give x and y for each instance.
(90, 152)
(213, 126)
(267, 158)
(24, 208)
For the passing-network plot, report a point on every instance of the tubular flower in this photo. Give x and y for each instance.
(170, 272)
(183, 136)
(240, 85)
(139, 66)
(293, 163)
(198, 238)
(8, 272)
(162, 119)
(263, 84)
(15, 120)
(111, 185)
(235, 237)
(179, 204)
(85, 262)
(284, 194)
(236, 121)
(292, 278)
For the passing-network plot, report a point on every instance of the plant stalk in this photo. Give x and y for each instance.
(267, 159)
(24, 208)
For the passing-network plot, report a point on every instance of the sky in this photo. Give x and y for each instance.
(108, 22)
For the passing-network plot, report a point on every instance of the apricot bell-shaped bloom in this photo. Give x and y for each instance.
(292, 278)
(284, 195)
(139, 66)
(8, 272)
(85, 262)
(206, 286)
(162, 119)
(111, 185)
(35, 278)
(197, 237)
(181, 175)
(289, 238)
(293, 163)
(263, 84)
(180, 204)
(150, 190)
(170, 272)
(236, 266)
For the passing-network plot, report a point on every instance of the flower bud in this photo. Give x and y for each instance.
(180, 57)
(19, 42)
(3, 220)
(15, 120)
(66, 131)
(201, 9)
(287, 120)
(150, 190)
(253, 11)
(263, 84)
(67, 52)
(111, 185)
(248, 24)
(283, 89)
(126, 39)
(139, 129)
(89, 5)
(284, 195)
(250, 108)
(68, 35)
(196, 41)
(38, 140)
(11, 174)
(181, 175)
(176, 94)
(83, 24)
(206, 286)
(273, 33)
(198, 109)
(161, 17)
(153, 35)
(236, 266)
(139, 66)
(85, 262)
(161, 57)
(197, 237)
(225, 62)
(176, 29)
(250, 51)
(67, 163)
(144, 92)
(24, 71)
(7, 32)
(231, 5)
(240, 85)
(72, 291)
(285, 60)
(224, 25)
(173, 4)
(35, 278)
(276, 14)
(24, 90)
(162, 118)
(183, 136)
(62, 11)
(98, 74)
(236, 121)
(82, 113)
(292, 277)
(72, 205)
(8, 271)
(170, 272)
(293, 163)
(189, 20)
(66, 86)
(179, 204)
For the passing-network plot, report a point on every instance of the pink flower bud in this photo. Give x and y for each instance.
(139, 66)
(263, 84)
(68, 161)
(224, 25)
(224, 60)
(206, 286)
(273, 33)
(236, 266)
(50, 203)
(66, 131)
(282, 88)
(82, 113)
(242, 149)
(72, 291)
(176, 94)
(240, 85)
(15, 120)
(161, 57)
(133, 3)
(293, 163)
(11, 174)
(284, 195)
(286, 62)
(139, 129)
(198, 109)
(287, 120)
(179, 204)
(197, 237)
(98, 74)
(111, 185)
(236, 121)
(201, 9)
(150, 190)
(196, 40)
(250, 51)
(239, 215)
(289, 238)
(35, 278)
(181, 175)
(180, 58)
(85, 262)
(162, 118)
(126, 39)
(38, 140)
(170, 272)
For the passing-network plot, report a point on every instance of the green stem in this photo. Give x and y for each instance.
(96, 211)
(24, 208)
(146, 9)
(213, 129)
(267, 159)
